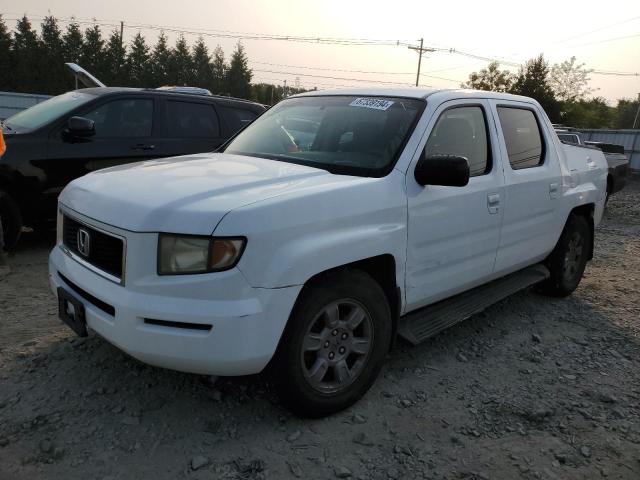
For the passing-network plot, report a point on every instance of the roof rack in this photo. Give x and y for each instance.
(189, 90)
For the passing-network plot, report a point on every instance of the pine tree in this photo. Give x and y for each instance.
(219, 71)
(52, 61)
(92, 53)
(72, 43)
(202, 69)
(26, 58)
(180, 71)
(115, 61)
(160, 62)
(139, 62)
(239, 75)
(6, 78)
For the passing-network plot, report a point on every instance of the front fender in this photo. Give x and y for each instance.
(293, 237)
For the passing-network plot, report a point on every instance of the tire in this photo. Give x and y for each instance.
(11, 220)
(569, 258)
(323, 365)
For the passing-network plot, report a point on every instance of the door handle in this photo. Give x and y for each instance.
(553, 190)
(493, 202)
(142, 146)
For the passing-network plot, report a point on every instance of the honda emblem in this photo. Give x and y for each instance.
(83, 241)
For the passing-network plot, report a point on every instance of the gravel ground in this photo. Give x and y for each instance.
(533, 388)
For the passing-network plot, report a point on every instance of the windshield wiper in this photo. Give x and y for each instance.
(4, 125)
(286, 158)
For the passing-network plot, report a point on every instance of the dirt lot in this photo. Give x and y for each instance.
(533, 388)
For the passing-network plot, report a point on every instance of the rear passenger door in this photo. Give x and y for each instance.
(190, 127)
(532, 185)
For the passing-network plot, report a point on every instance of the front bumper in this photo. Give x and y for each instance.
(246, 323)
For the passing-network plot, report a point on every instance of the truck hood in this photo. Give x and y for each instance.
(187, 194)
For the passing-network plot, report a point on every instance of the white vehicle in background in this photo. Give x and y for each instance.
(332, 224)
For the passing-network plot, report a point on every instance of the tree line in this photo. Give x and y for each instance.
(33, 62)
(561, 89)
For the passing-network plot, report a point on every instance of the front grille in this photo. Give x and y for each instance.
(105, 251)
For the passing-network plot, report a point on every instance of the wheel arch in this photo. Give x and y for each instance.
(382, 268)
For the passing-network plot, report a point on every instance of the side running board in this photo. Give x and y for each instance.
(417, 326)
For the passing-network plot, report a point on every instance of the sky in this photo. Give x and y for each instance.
(603, 35)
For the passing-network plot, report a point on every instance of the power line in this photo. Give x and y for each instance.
(331, 69)
(310, 83)
(584, 34)
(234, 35)
(331, 78)
(606, 40)
(329, 41)
(618, 74)
(426, 74)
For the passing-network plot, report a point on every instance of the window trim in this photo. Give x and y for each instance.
(108, 100)
(543, 140)
(490, 157)
(168, 132)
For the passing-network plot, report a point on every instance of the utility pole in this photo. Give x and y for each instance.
(635, 120)
(284, 92)
(121, 32)
(420, 51)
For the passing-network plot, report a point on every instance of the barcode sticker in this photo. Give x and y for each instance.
(375, 103)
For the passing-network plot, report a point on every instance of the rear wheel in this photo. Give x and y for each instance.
(11, 220)
(334, 345)
(569, 258)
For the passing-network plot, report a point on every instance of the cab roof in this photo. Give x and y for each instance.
(416, 92)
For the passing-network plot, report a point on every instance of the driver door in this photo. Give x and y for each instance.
(454, 232)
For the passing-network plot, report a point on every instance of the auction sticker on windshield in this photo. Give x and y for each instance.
(376, 103)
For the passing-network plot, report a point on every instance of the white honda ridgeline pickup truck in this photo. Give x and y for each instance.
(332, 224)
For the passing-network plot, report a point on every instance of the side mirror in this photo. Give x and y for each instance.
(446, 170)
(81, 127)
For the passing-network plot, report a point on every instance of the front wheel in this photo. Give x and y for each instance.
(334, 345)
(569, 258)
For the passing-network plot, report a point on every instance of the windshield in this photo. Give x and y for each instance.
(342, 134)
(42, 113)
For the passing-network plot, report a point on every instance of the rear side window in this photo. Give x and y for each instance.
(192, 120)
(462, 131)
(237, 118)
(522, 137)
(132, 117)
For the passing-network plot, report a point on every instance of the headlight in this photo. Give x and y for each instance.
(181, 254)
